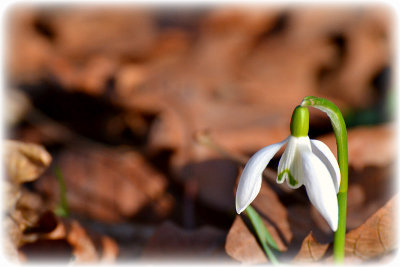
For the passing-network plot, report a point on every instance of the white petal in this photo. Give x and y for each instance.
(287, 159)
(251, 178)
(320, 188)
(323, 152)
(296, 170)
(290, 164)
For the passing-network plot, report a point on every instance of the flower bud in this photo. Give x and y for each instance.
(299, 123)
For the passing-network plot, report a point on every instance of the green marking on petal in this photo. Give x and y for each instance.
(292, 180)
(280, 176)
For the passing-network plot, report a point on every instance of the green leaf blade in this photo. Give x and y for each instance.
(262, 232)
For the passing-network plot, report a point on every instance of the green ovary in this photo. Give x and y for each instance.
(299, 123)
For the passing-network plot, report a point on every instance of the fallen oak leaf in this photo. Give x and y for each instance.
(45, 250)
(24, 162)
(373, 239)
(242, 245)
(105, 184)
(366, 54)
(46, 223)
(30, 51)
(17, 105)
(369, 190)
(109, 250)
(311, 250)
(83, 247)
(11, 239)
(87, 247)
(172, 242)
(216, 193)
(376, 237)
(72, 242)
(11, 194)
(275, 216)
(21, 213)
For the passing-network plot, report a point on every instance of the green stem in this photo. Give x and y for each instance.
(62, 207)
(340, 234)
(339, 128)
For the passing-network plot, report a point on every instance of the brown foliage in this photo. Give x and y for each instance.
(106, 184)
(241, 243)
(311, 250)
(149, 82)
(373, 239)
(376, 236)
(24, 162)
(379, 152)
(172, 242)
(54, 239)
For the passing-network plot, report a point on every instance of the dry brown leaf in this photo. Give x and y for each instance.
(214, 181)
(226, 39)
(24, 162)
(379, 152)
(105, 184)
(374, 239)
(274, 214)
(17, 105)
(83, 247)
(172, 242)
(20, 215)
(365, 51)
(69, 238)
(376, 186)
(239, 74)
(90, 78)
(46, 250)
(109, 250)
(159, 209)
(11, 238)
(57, 42)
(129, 77)
(241, 244)
(29, 52)
(46, 223)
(311, 250)
(167, 132)
(221, 84)
(359, 207)
(11, 194)
(302, 222)
(126, 31)
(377, 236)
(87, 247)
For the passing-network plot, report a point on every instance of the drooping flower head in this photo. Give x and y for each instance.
(304, 162)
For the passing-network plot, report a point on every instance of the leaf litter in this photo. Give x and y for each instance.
(120, 111)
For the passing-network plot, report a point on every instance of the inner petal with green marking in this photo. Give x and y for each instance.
(292, 181)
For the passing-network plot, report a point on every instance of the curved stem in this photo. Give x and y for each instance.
(339, 128)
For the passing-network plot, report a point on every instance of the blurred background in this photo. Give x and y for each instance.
(144, 116)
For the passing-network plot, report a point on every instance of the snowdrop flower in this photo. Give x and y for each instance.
(304, 162)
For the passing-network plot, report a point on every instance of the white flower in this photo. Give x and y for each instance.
(304, 162)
